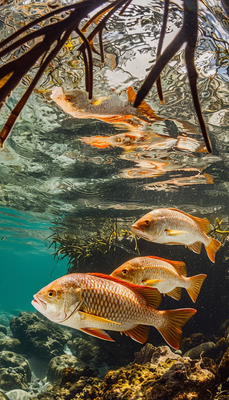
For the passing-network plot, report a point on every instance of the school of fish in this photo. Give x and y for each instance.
(127, 301)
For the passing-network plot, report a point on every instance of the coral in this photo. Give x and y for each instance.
(194, 340)
(3, 329)
(59, 363)
(224, 370)
(164, 379)
(15, 371)
(195, 352)
(155, 355)
(39, 337)
(11, 344)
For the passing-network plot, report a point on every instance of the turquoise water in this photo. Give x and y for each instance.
(27, 264)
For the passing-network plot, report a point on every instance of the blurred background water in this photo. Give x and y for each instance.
(68, 175)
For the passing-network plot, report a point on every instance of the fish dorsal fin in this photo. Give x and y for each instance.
(96, 318)
(204, 224)
(179, 266)
(175, 293)
(139, 333)
(196, 247)
(97, 333)
(150, 294)
(144, 108)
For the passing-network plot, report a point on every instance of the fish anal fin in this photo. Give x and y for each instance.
(97, 333)
(212, 249)
(196, 247)
(204, 224)
(96, 318)
(195, 283)
(173, 321)
(175, 293)
(139, 333)
(150, 294)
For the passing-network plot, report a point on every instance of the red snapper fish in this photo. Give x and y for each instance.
(166, 275)
(94, 302)
(172, 226)
(111, 109)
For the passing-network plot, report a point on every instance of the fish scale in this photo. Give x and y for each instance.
(97, 302)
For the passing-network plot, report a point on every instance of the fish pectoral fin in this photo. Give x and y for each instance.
(196, 247)
(96, 318)
(139, 333)
(152, 282)
(175, 293)
(174, 232)
(97, 333)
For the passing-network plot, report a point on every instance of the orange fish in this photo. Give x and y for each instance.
(165, 275)
(110, 109)
(126, 140)
(94, 302)
(172, 226)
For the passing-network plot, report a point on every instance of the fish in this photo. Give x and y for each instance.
(127, 140)
(97, 302)
(166, 275)
(111, 109)
(173, 226)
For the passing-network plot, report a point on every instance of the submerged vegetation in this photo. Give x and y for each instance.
(112, 238)
(87, 252)
(39, 42)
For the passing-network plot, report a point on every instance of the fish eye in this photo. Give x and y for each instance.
(68, 98)
(147, 222)
(51, 294)
(124, 271)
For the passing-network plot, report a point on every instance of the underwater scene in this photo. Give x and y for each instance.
(114, 200)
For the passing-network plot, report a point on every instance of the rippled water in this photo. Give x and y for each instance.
(55, 167)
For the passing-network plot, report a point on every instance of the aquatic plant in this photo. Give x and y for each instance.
(220, 230)
(51, 31)
(88, 252)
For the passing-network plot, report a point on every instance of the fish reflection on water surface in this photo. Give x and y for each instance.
(111, 109)
(94, 302)
(173, 226)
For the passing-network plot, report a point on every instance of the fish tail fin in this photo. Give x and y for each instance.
(144, 108)
(171, 326)
(212, 248)
(195, 283)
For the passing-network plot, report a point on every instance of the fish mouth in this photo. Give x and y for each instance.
(136, 227)
(56, 91)
(39, 304)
